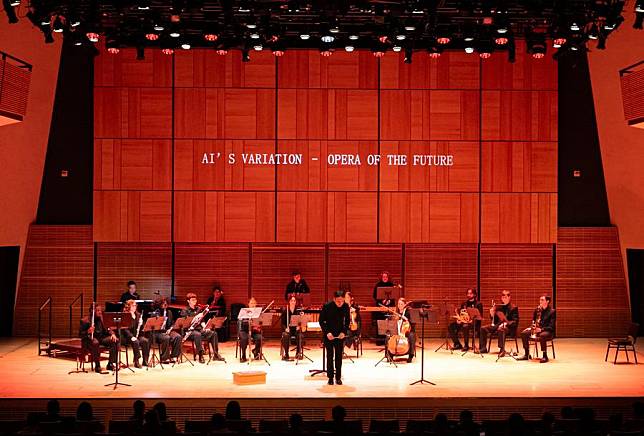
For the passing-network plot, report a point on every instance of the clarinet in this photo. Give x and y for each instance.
(165, 320)
(138, 327)
(93, 319)
(195, 322)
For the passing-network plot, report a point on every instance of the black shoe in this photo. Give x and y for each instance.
(137, 364)
(201, 359)
(218, 357)
(524, 357)
(97, 369)
(110, 366)
(285, 358)
(410, 359)
(457, 346)
(145, 363)
(544, 359)
(483, 350)
(466, 348)
(338, 382)
(300, 357)
(330, 382)
(243, 360)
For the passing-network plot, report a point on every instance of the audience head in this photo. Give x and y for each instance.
(152, 421)
(161, 411)
(53, 408)
(440, 421)
(466, 417)
(218, 421)
(139, 408)
(296, 421)
(84, 412)
(233, 410)
(338, 413)
(638, 410)
(516, 424)
(567, 412)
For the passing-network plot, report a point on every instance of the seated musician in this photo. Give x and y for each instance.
(501, 327)
(296, 286)
(543, 328)
(289, 331)
(459, 325)
(410, 333)
(198, 333)
(169, 340)
(355, 321)
(217, 302)
(133, 333)
(255, 334)
(131, 293)
(94, 334)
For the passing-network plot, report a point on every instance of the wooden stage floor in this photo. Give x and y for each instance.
(579, 371)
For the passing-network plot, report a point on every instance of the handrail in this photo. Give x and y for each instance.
(630, 68)
(71, 307)
(22, 63)
(47, 303)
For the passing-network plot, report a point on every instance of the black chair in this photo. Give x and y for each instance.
(512, 334)
(626, 343)
(232, 320)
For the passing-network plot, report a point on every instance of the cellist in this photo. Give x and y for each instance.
(405, 327)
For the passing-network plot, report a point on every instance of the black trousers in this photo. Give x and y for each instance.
(334, 350)
(489, 329)
(351, 338)
(93, 346)
(244, 337)
(170, 345)
(141, 344)
(455, 327)
(286, 342)
(207, 335)
(542, 337)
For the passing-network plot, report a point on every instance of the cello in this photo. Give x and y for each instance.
(398, 344)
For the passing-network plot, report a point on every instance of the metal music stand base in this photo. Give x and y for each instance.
(181, 357)
(345, 355)
(314, 372)
(116, 382)
(154, 359)
(422, 380)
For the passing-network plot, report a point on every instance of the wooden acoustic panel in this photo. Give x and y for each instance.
(462, 176)
(193, 169)
(523, 269)
(519, 218)
(592, 298)
(519, 166)
(132, 112)
(428, 217)
(224, 216)
(453, 70)
(198, 267)
(519, 115)
(203, 68)
(525, 73)
(58, 263)
(423, 115)
(125, 70)
(306, 69)
(132, 164)
(149, 265)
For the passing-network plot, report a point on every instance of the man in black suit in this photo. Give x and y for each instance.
(334, 321)
(543, 320)
(131, 293)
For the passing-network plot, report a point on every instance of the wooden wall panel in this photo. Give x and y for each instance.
(519, 115)
(198, 267)
(149, 265)
(307, 69)
(302, 216)
(352, 217)
(519, 166)
(519, 218)
(524, 73)
(523, 269)
(58, 263)
(125, 70)
(453, 70)
(592, 298)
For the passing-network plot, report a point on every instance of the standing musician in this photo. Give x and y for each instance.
(255, 334)
(131, 293)
(133, 333)
(169, 340)
(502, 328)
(199, 333)
(288, 330)
(334, 322)
(296, 286)
(217, 302)
(384, 282)
(93, 334)
(410, 331)
(543, 328)
(355, 321)
(462, 325)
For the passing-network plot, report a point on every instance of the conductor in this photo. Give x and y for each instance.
(334, 321)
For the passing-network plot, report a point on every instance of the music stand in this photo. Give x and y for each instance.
(388, 293)
(214, 323)
(445, 311)
(181, 324)
(266, 318)
(113, 320)
(154, 324)
(299, 321)
(475, 316)
(385, 327)
(422, 313)
(248, 314)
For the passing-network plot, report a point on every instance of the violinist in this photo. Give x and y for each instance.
(458, 324)
(543, 328)
(199, 333)
(405, 327)
(255, 334)
(355, 321)
(133, 333)
(93, 334)
(169, 341)
(503, 324)
(289, 331)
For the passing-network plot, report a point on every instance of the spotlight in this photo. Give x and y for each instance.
(14, 3)
(113, 50)
(639, 6)
(334, 29)
(501, 28)
(486, 54)
(326, 51)
(111, 44)
(221, 51)
(396, 48)
(536, 45)
(210, 37)
(175, 33)
(251, 25)
(558, 42)
(383, 39)
(278, 53)
(434, 52)
(58, 24)
(500, 40)
(140, 53)
(186, 45)
(443, 40)
(408, 55)
(254, 35)
(258, 47)
(327, 38)
(143, 5)
(353, 37)
(92, 36)
(151, 36)
(401, 37)
(593, 33)
(245, 55)
(410, 27)
(304, 36)
(349, 48)
(158, 27)
(574, 26)
(45, 21)
(73, 21)
(167, 51)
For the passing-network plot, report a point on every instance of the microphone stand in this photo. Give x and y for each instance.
(422, 380)
(116, 382)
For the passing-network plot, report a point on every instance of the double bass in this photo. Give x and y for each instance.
(398, 344)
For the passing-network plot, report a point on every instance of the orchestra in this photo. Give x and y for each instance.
(340, 323)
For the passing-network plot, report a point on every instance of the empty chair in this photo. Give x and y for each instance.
(626, 343)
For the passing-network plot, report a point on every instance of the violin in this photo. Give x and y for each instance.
(353, 323)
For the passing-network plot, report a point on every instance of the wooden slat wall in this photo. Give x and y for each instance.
(58, 263)
(592, 299)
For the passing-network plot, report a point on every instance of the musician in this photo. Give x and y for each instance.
(502, 329)
(296, 286)
(168, 339)
(217, 302)
(133, 333)
(334, 322)
(543, 319)
(288, 331)
(255, 335)
(384, 282)
(456, 325)
(400, 313)
(199, 333)
(101, 336)
(131, 293)
(355, 321)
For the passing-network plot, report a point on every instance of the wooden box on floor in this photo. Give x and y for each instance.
(249, 377)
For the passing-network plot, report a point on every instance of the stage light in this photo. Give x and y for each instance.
(305, 36)
(186, 45)
(401, 37)
(151, 36)
(221, 51)
(254, 35)
(501, 40)
(140, 53)
(45, 21)
(593, 32)
(639, 6)
(14, 3)
(383, 39)
(92, 36)
(410, 27)
(353, 37)
(558, 42)
(175, 33)
(536, 45)
(73, 21)
(167, 51)
(245, 55)
(112, 46)
(113, 50)
(574, 26)
(334, 29)
(469, 50)
(349, 48)
(328, 38)
(143, 5)
(434, 55)
(485, 54)
(326, 52)
(502, 28)
(258, 47)
(396, 48)
(408, 55)
(443, 40)
(158, 27)
(210, 37)
(278, 52)
(58, 24)
(251, 25)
